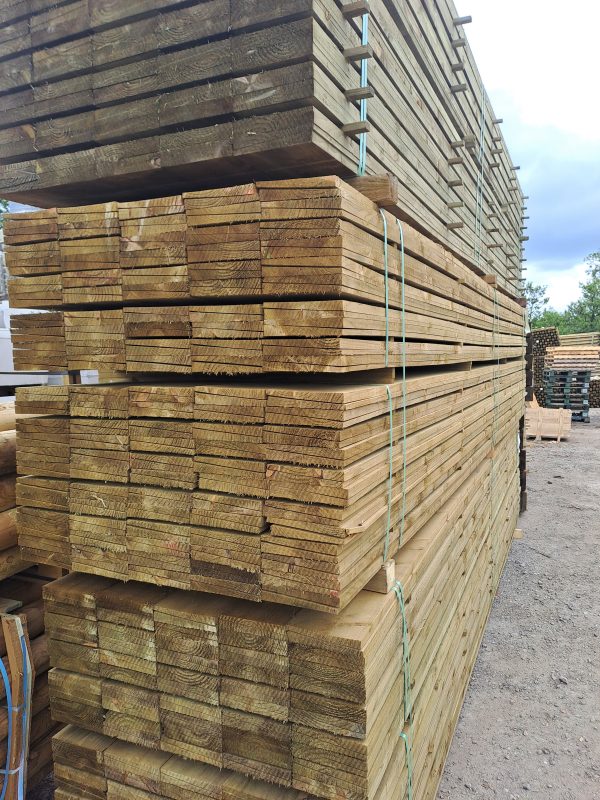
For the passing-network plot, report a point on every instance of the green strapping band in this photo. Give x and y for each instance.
(386, 264)
(364, 82)
(404, 393)
(388, 527)
(399, 591)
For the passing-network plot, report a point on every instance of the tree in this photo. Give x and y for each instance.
(583, 315)
(3, 210)
(537, 301)
(550, 318)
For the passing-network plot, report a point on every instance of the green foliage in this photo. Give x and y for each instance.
(3, 210)
(537, 301)
(581, 316)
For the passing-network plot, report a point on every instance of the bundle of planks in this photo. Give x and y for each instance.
(542, 339)
(110, 100)
(591, 339)
(250, 491)
(578, 357)
(248, 252)
(21, 598)
(177, 503)
(574, 358)
(299, 699)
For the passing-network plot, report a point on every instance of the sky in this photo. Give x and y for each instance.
(539, 62)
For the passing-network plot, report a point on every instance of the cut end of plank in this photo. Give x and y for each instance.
(383, 582)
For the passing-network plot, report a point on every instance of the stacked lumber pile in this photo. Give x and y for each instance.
(222, 532)
(237, 686)
(112, 101)
(568, 389)
(574, 358)
(288, 503)
(591, 339)
(234, 245)
(222, 487)
(542, 339)
(21, 600)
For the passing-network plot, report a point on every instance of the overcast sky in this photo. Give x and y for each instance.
(540, 63)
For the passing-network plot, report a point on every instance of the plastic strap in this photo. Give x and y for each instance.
(409, 763)
(11, 710)
(399, 591)
(386, 263)
(404, 393)
(364, 82)
(388, 527)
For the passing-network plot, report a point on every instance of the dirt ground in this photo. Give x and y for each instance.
(530, 726)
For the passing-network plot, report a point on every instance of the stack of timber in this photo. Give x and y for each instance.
(542, 339)
(591, 339)
(249, 490)
(297, 699)
(25, 739)
(574, 358)
(114, 100)
(253, 249)
(339, 444)
(578, 357)
(568, 389)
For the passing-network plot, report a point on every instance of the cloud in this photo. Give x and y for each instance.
(563, 285)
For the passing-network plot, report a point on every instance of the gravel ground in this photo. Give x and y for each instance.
(530, 726)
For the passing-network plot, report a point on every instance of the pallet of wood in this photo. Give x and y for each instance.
(249, 491)
(547, 423)
(591, 339)
(111, 103)
(574, 357)
(288, 510)
(228, 250)
(301, 700)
